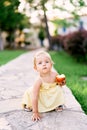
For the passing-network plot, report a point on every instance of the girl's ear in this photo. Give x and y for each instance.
(51, 64)
(35, 67)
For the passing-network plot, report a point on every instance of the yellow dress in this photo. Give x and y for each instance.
(50, 97)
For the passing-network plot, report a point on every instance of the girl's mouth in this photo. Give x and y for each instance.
(44, 68)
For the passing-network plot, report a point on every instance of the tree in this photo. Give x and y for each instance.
(77, 6)
(41, 35)
(10, 18)
(41, 6)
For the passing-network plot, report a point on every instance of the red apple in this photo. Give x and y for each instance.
(60, 78)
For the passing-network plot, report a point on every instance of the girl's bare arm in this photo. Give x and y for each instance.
(35, 93)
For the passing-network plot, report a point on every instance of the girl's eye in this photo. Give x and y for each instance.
(47, 61)
(40, 63)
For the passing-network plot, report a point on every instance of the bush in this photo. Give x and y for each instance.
(76, 44)
(56, 42)
(41, 34)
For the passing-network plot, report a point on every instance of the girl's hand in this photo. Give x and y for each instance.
(62, 83)
(36, 116)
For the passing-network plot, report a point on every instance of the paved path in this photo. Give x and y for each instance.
(15, 78)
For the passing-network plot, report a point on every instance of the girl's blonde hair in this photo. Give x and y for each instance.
(42, 53)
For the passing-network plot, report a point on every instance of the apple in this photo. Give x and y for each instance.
(60, 78)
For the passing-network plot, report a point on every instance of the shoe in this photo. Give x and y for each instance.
(27, 109)
(59, 108)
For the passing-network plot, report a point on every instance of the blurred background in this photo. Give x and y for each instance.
(54, 24)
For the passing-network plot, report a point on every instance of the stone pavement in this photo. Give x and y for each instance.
(15, 77)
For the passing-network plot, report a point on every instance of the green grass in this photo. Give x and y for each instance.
(64, 63)
(8, 55)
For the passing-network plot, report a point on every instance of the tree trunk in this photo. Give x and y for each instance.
(47, 29)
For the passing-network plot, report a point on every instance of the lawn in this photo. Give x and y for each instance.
(74, 71)
(7, 55)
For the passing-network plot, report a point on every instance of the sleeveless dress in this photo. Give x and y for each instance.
(50, 97)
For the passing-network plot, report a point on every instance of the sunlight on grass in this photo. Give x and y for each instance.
(7, 55)
(64, 63)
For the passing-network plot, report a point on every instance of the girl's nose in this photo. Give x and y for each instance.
(44, 63)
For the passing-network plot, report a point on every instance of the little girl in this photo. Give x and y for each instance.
(46, 94)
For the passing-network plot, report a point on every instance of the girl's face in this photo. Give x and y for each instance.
(43, 64)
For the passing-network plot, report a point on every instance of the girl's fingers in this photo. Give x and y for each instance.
(35, 118)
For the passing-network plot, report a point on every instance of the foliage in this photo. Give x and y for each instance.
(76, 44)
(10, 18)
(41, 6)
(74, 72)
(80, 3)
(56, 41)
(77, 6)
(63, 23)
(41, 34)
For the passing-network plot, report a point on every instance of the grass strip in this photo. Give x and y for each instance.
(74, 72)
(8, 55)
